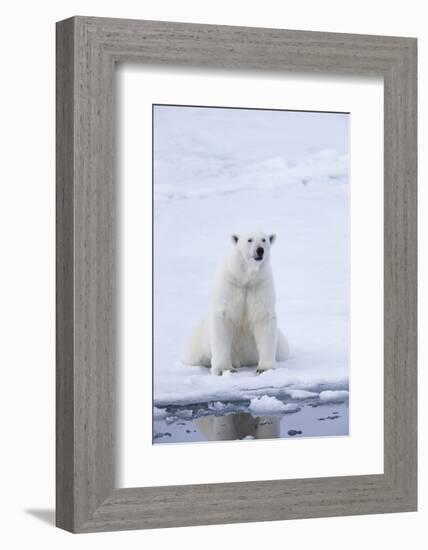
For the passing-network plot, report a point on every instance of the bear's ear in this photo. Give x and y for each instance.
(272, 238)
(234, 238)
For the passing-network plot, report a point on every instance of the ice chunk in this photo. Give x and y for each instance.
(271, 405)
(159, 413)
(334, 396)
(301, 394)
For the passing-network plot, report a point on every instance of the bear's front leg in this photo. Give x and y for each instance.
(221, 343)
(265, 337)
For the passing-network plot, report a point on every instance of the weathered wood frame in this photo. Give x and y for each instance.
(87, 50)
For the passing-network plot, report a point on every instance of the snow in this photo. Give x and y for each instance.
(265, 405)
(217, 171)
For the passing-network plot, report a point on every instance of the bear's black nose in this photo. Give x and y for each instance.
(260, 251)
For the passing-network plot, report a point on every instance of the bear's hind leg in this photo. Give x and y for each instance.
(197, 352)
(282, 347)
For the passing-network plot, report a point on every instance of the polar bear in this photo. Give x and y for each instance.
(240, 328)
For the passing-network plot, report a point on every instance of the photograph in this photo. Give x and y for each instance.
(251, 273)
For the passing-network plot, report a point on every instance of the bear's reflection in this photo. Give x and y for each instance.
(238, 426)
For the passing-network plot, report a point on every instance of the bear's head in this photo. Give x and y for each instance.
(254, 246)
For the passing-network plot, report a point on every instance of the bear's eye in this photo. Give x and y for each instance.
(263, 240)
(250, 240)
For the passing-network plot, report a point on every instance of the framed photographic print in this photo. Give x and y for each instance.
(236, 274)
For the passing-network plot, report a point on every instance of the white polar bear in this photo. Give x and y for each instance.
(240, 328)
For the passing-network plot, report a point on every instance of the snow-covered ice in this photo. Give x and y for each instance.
(217, 171)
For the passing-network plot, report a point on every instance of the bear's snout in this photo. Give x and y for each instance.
(259, 253)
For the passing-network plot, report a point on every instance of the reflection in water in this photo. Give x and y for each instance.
(197, 424)
(238, 426)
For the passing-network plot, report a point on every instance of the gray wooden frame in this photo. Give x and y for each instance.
(87, 50)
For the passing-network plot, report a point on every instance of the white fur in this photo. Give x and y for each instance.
(240, 328)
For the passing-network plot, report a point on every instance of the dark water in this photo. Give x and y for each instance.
(235, 422)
